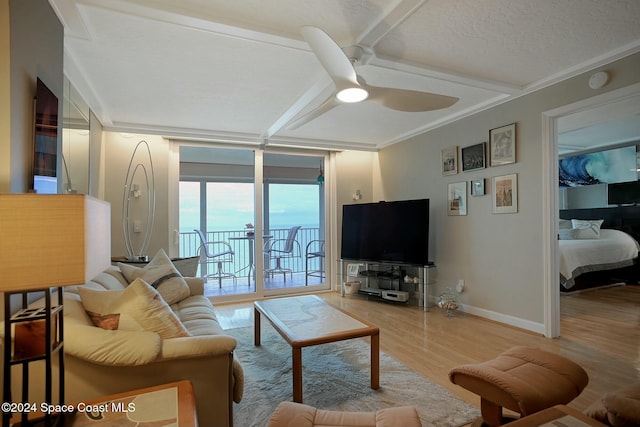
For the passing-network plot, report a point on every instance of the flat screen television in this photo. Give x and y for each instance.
(45, 146)
(623, 193)
(386, 232)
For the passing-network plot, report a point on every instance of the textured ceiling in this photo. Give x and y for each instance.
(240, 70)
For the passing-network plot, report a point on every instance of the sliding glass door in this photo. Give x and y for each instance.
(274, 232)
(294, 218)
(216, 206)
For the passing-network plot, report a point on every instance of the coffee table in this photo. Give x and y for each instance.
(307, 320)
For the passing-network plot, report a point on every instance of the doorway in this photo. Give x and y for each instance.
(551, 123)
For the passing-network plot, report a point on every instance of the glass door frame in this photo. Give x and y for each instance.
(323, 221)
(328, 202)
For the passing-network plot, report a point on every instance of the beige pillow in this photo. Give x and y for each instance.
(139, 307)
(162, 275)
(586, 229)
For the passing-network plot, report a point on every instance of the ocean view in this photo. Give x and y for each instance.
(231, 205)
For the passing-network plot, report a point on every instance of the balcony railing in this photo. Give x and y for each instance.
(190, 246)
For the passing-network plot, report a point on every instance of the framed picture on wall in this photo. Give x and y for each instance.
(477, 187)
(449, 160)
(457, 198)
(505, 194)
(502, 143)
(473, 157)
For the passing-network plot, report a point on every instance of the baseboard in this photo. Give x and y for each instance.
(492, 315)
(504, 318)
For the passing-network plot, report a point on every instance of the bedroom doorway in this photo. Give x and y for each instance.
(554, 120)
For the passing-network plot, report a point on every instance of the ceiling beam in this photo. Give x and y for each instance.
(390, 20)
(321, 86)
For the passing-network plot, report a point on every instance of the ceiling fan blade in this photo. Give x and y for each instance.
(408, 100)
(331, 56)
(327, 105)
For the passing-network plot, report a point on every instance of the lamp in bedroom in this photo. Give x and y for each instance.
(48, 242)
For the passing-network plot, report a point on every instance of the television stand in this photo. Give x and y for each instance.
(385, 281)
(372, 292)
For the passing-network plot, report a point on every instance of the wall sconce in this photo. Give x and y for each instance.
(135, 191)
(357, 195)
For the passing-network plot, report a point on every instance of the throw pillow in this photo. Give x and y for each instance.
(587, 229)
(162, 275)
(138, 307)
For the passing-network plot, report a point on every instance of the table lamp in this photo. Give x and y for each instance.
(46, 242)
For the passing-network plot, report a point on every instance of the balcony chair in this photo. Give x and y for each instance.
(314, 249)
(217, 252)
(281, 248)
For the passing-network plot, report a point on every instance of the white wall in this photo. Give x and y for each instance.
(500, 256)
(118, 149)
(591, 196)
(31, 46)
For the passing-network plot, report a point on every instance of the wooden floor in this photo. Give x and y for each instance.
(600, 331)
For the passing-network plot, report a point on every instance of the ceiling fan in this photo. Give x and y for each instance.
(351, 88)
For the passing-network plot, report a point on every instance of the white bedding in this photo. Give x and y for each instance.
(614, 249)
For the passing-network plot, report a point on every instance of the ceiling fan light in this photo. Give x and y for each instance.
(352, 94)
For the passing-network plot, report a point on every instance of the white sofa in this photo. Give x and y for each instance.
(101, 362)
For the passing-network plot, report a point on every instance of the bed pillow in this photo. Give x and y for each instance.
(565, 224)
(575, 234)
(138, 307)
(587, 229)
(162, 275)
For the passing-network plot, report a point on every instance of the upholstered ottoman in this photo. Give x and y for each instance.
(619, 408)
(522, 379)
(290, 414)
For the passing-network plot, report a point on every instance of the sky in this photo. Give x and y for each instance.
(231, 205)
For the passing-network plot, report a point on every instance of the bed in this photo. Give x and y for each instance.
(587, 261)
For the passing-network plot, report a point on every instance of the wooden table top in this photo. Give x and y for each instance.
(166, 404)
(309, 320)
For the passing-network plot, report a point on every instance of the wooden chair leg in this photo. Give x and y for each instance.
(491, 413)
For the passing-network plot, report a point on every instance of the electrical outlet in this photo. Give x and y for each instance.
(137, 226)
(460, 286)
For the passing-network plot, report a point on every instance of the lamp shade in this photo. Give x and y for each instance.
(52, 240)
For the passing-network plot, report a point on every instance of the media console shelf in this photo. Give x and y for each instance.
(386, 280)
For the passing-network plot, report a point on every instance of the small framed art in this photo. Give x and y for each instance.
(449, 160)
(473, 156)
(502, 142)
(457, 198)
(505, 194)
(477, 187)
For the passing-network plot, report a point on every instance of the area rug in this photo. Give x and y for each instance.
(336, 376)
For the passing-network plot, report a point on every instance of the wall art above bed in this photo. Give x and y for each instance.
(608, 166)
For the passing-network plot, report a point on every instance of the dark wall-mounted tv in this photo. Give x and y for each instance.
(45, 150)
(386, 232)
(623, 193)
